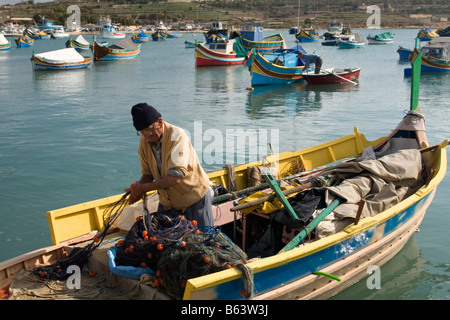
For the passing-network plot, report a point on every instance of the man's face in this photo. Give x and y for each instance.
(153, 132)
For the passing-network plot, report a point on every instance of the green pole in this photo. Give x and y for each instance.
(416, 64)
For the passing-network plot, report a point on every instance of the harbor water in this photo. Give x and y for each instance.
(67, 137)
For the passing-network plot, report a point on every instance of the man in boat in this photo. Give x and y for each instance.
(311, 59)
(169, 164)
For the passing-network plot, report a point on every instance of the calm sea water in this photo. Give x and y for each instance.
(67, 137)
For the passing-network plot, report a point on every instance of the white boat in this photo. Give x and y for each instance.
(59, 32)
(62, 59)
(351, 41)
(109, 31)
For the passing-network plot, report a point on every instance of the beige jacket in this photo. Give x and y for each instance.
(178, 153)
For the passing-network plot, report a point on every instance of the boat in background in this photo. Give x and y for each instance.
(173, 34)
(140, 37)
(279, 67)
(159, 35)
(333, 76)
(62, 59)
(24, 41)
(426, 34)
(351, 41)
(190, 44)
(382, 38)
(293, 30)
(216, 32)
(109, 31)
(335, 27)
(79, 44)
(46, 24)
(307, 35)
(252, 35)
(436, 55)
(220, 53)
(124, 49)
(404, 54)
(59, 32)
(5, 44)
(443, 32)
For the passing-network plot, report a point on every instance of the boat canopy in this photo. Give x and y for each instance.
(3, 40)
(383, 36)
(438, 48)
(67, 55)
(82, 40)
(126, 44)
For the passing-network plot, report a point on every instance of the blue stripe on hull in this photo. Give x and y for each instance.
(273, 278)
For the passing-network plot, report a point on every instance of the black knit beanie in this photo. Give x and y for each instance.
(144, 115)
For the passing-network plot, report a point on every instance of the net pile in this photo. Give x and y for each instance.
(80, 256)
(178, 250)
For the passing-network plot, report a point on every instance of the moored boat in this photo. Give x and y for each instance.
(382, 38)
(159, 35)
(307, 35)
(436, 55)
(220, 53)
(79, 44)
(280, 67)
(124, 49)
(351, 41)
(140, 37)
(426, 34)
(443, 32)
(333, 76)
(404, 54)
(5, 44)
(24, 41)
(109, 31)
(62, 59)
(59, 32)
(252, 35)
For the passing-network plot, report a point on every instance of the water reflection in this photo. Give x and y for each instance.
(61, 82)
(293, 99)
(400, 278)
(218, 78)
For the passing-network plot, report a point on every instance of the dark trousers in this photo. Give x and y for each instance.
(318, 65)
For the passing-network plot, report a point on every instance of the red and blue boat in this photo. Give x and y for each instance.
(220, 53)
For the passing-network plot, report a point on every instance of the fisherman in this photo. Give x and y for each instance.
(169, 164)
(311, 59)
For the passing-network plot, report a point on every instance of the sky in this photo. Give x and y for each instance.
(3, 2)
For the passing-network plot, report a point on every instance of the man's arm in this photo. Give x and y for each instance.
(147, 183)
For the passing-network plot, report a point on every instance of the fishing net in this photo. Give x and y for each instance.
(80, 255)
(178, 250)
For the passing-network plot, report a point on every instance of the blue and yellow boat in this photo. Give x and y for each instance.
(436, 55)
(307, 35)
(24, 41)
(352, 231)
(279, 67)
(79, 44)
(140, 37)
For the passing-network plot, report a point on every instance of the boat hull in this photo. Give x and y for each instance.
(71, 43)
(42, 65)
(349, 45)
(206, 57)
(5, 46)
(264, 72)
(307, 36)
(268, 44)
(23, 43)
(112, 35)
(325, 78)
(103, 53)
(404, 54)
